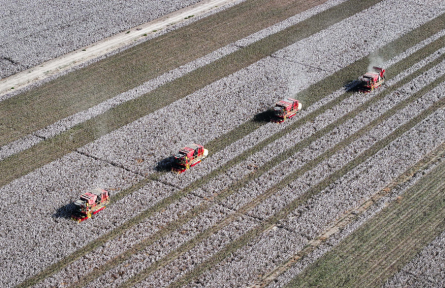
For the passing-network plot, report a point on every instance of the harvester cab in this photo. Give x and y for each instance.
(90, 203)
(372, 80)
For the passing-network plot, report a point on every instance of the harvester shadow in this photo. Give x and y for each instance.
(65, 211)
(264, 116)
(165, 165)
(352, 86)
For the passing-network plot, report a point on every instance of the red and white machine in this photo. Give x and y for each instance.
(90, 203)
(188, 157)
(372, 80)
(284, 109)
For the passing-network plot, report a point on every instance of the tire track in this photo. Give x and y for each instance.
(350, 217)
(382, 224)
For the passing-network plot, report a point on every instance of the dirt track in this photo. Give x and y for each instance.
(82, 55)
(266, 190)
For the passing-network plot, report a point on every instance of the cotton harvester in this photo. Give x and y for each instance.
(90, 203)
(188, 157)
(371, 80)
(284, 109)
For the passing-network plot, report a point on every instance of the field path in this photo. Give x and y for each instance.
(106, 46)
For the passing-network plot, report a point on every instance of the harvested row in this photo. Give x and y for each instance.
(40, 213)
(84, 133)
(196, 191)
(64, 124)
(349, 220)
(425, 270)
(417, 217)
(325, 245)
(119, 73)
(169, 268)
(132, 141)
(297, 185)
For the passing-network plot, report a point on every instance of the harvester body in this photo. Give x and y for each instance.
(284, 109)
(188, 157)
(372, 80)
(90, 203)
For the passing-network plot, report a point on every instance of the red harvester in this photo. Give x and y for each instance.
(372, 80)
(286, 108)
(188, 157)
(90, 203)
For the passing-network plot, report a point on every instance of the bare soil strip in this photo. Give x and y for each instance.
(267, 224)
(242, 182)
(81, 89)
(145, 214)
(383, 245)
(15, 166)
(66, 123)
(351, 216)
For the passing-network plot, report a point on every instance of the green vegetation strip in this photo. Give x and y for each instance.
(386, 243)
(393, 49)
(273, 162)
(84, 88)
(272, 221)
(353, 215)
(17, 165)
(286, 155)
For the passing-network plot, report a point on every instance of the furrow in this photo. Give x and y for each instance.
(358, 241)
(352, 216)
